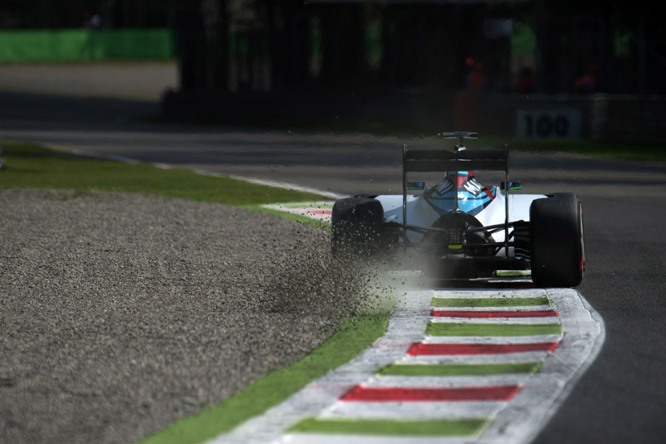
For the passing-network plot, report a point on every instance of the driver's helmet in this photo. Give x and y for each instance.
(459, 177)
(472, 196)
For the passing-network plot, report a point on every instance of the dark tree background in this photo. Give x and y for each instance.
(272, 45)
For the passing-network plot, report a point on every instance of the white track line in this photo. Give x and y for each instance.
(445, 381)
(287, 186)
(503, 320)
(491, 339)
(487, 293)
(503, 358)
(414, 410)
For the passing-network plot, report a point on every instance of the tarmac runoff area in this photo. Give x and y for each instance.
(455, 366)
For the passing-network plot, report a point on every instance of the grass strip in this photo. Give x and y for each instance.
(459, 369)
(488, 302)
(32, 166)
(438, 427)
(352, 337)
(479, 329)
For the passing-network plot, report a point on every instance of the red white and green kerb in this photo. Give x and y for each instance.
(455, 366)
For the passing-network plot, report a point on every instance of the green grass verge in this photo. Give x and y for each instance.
(478, 329)
(439, 427)
(459, 369)
(352, 337)
(31, 166)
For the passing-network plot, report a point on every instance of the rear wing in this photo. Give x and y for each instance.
(423, 161)
(428, 161)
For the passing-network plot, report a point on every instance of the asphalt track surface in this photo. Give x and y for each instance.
(622, 396)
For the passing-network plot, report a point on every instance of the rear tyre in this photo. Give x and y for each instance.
(356, 226)
(556, 240)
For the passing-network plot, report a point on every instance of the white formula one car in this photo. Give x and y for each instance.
(463, 229)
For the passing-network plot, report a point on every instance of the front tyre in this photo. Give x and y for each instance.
(557, 242)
